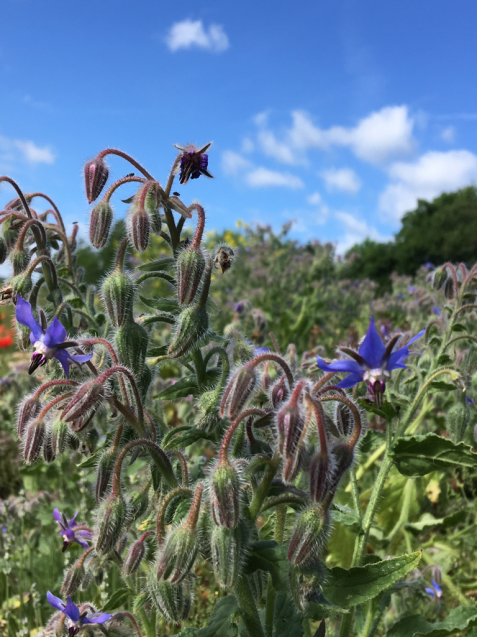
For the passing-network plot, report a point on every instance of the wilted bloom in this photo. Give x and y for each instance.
(194, 162)
(372, 363)
(68, 530)
(77, 618)
(435, 591)
(49, 343)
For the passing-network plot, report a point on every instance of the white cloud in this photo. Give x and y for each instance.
(13, 150)
(233, 163)
(448, 134)
(343, 179)
(190, 33)
(262, 177)
(314, 199)
(356, 230)
(433, 173)
(376, 138)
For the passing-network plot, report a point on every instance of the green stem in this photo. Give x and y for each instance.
(271, 593)
(262, 491)
(200, 367)
(355, 494)
(406, 505)
(248, 607)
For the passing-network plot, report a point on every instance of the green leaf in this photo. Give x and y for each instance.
(458, 619)
(321, 608)
(221, 622)
(428, 521)
(458, 327)
(186, 438)
(346, 516)
(160, 350)
(183, 388)
(269, 556)
(347, 588)
(287, 620)
(117, 599)
(386, 411)
(155, 266)
(419, 455)
(165, 305)
(440, 385)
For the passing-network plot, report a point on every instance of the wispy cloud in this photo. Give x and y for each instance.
(191, 33)
(263, 177)
(433, 173)
(356, 230)
(14, 150)
(448, 134)
(376, 138)
(343, 179)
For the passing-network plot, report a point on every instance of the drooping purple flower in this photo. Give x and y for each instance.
(435, 591)
(372, 363)
(76, 617)
(49, 343)
(69, 532)
(194, 162)
(437, 310)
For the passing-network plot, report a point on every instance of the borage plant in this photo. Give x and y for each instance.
(284, 438)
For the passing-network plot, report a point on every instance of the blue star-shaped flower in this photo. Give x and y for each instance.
(435, 591)
(372, 363)
(72, 611)
(68, 531)
(194, 162)
(49, 343)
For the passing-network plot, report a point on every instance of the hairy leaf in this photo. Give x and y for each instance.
(419, 455)
(117, 599)
(415, 625)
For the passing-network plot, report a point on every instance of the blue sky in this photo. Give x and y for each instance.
(337, 114)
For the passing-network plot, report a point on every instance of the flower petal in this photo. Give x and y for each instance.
(72, 522)
(83, 533)
(71, 610)
(343, 365)
(97, 618)
(56, 602)
(431, 592)
(25, 317)
(63, 357)
(81, 358)
(396, 358)
(55, 334)
(57, 515)
(372, 349)
(81, 542)
(350, 381)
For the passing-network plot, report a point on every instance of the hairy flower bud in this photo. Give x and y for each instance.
(290, 423)
(309, 537)
(19, 258)
(100, 224)
(112, 515)
(21, 285)
(139, 229)
(29, 409)
(306, 584)
(191, 326)
(320, 476)
(59, 436)
(238, 391)
(89, 396)
(118, 296)
(225, 486)
(173, 601)
(3, 250)
(178, 555)
(49, 454)
(440, 277)
(226, 548)
(96, 174)
(131, 344)
(135, 555)
(104, 473)
(10, 235)
(73, 578)
(33, 438)
(344, 420)
(279, 392)
(190, 268)
(458, 418)
(342, 459)
(139, 501)
(449, 291)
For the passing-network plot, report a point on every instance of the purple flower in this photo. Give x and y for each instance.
(412, 289)
(77, 618)
(435, 591)
(194, 162)
(437, 310)
(372, 363)
(68, 531)
(261, 350)
(49, 343)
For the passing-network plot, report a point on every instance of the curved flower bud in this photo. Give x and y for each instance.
(96, 174)
(3, 250)
(118, 295)
(309, 537)
(225, 484)
(173, 601)
(139, 229)
(29, 409)
(135, 555)
(100, 224)
(226, 549)
(191, 326)
(111, 517)
(239, 389)
(33, 438)
(190, 268)
(290, 422)
(89, 396)
(131, 341)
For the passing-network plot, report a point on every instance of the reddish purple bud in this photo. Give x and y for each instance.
(134, 557)
(238, 391)
(104, 473)
(344, 420)
(190, 268)
(279, 392)
(139, 229)
(33, 438)
(88, 396)
(28, 410)
(320, 475)
(74, 577)
(309, 537)
(100, 224)
(290, 423)
(96, 174)
(342, 459)
(112, 515)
